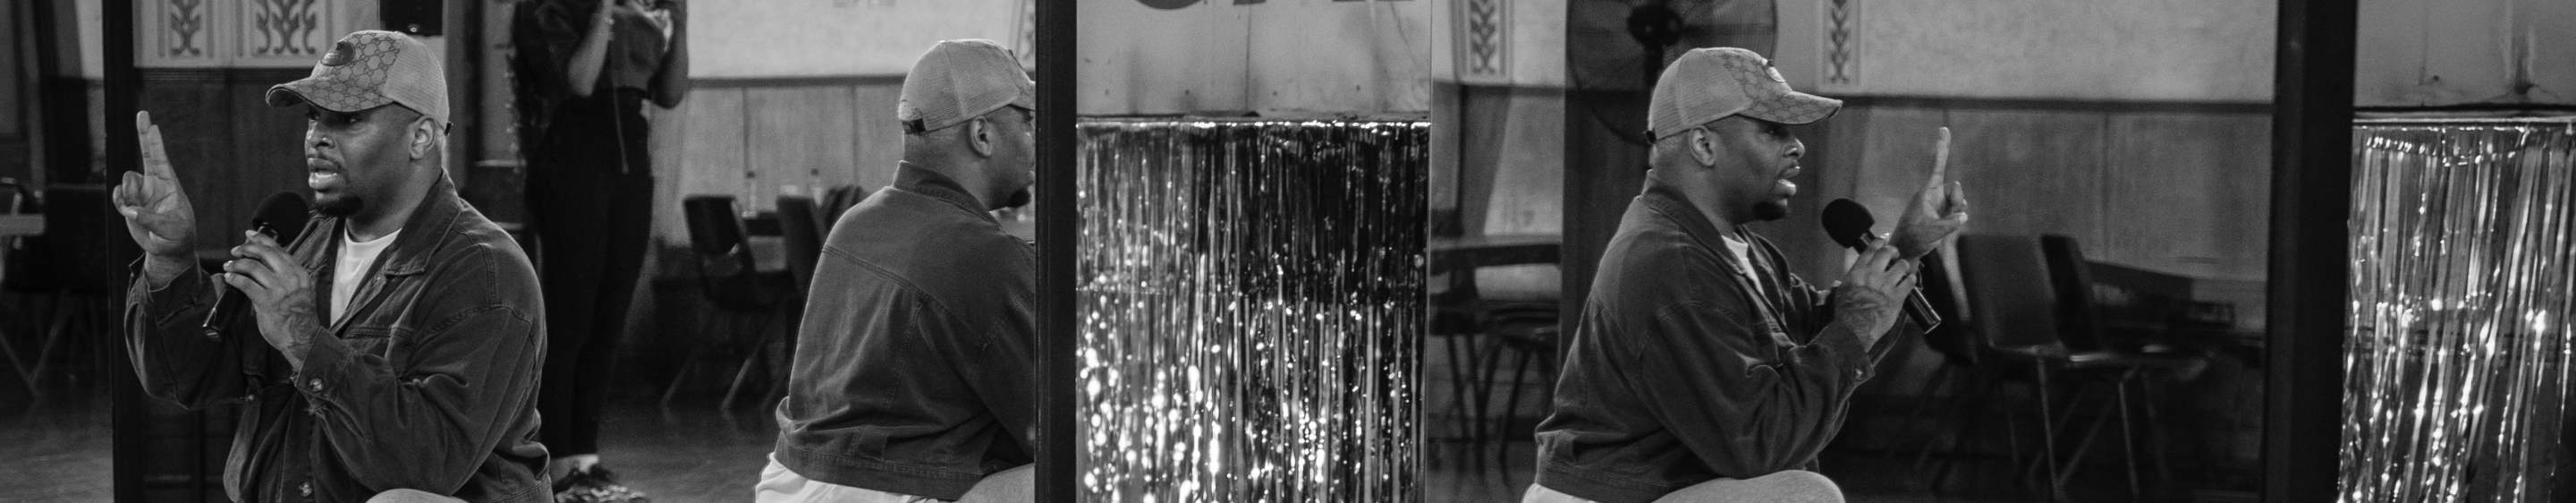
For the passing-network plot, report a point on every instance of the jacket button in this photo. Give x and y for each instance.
(315, 385)
(305, 489)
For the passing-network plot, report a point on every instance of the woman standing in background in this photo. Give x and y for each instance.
(584, 70)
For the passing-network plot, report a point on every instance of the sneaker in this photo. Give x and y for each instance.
(595, 485)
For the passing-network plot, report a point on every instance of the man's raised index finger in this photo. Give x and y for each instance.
(156, 160)
(1940, 157)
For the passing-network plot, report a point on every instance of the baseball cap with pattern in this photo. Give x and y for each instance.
(959, 80)
(1711, 83)
(368, 69)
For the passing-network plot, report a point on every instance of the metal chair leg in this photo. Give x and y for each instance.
(2075, 460)
(1511, 417)
(1925, 400)
(1949, 441)
(752, 355)
(677, 377)
(2048, 435)
(690, 360)
(1462, 367)
(2128, 439)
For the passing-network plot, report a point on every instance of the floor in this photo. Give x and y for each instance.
(56, 450)
(689, 453)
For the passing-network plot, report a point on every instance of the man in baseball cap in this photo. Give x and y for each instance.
(1700, 368)
(914, 374)
(397, 353)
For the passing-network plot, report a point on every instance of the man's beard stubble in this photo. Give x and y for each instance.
(339, 207)
(1774, 209)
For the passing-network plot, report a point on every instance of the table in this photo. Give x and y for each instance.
(22, 225)
(1469, 252)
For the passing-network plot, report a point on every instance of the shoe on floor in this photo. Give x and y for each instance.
(595, 485)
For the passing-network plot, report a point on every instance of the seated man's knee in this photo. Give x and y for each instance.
(1016, 485)
(1786, 486)
(411, 496)
(1806, 484)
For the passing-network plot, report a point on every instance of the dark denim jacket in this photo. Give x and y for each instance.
(1682, 370)
(429, 384)
(914, 368)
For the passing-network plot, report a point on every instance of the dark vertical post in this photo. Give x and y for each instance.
(128, 412)
(2311, 202)
(463, 20)
(1057, 226)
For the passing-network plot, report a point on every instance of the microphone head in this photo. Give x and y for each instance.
(286, 213)
(1848, 223)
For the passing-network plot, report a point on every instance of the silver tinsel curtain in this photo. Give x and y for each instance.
(2463, 276)
(1251, 306)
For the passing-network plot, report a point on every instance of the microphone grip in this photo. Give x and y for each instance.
(227, 307)
(1920, 311)
(230, 306)
(1917, 309)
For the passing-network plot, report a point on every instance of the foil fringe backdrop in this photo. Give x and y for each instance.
(2463, 276)
(1252, 310)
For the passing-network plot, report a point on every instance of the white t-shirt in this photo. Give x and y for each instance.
(1742, 250)
(355, 259)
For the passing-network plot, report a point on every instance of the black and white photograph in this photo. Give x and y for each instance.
(1301, 251)
(544, 250)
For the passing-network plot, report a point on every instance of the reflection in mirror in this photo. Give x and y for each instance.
(2099, 320)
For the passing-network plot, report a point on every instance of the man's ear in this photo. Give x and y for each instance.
(979, 135)
(1703, 146)
(424, 137)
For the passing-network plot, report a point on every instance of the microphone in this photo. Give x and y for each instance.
(280, 217)
(1848, 224)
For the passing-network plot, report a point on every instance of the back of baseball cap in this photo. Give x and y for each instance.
(959, 80)
(1711, 83)
(368, 69)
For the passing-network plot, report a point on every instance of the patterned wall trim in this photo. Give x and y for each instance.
(285, 28)
(1842, 52)
(238, 33)
(187, 21)
(1484, 32)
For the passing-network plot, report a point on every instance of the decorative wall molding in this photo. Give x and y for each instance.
(242, 33)
(284, 28)
(1484, 33)
(186, 22)
(1841, 43)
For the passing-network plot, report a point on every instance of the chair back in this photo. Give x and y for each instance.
(2008, 291)
(17, 255)
(715, 225)
(2072, 278)
(720, 245)
(801, 231)
(13, 196)
(839, 200)
(1952, 339)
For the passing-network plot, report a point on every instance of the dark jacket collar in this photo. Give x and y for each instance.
(428, 230)
(919, 180)
(1669, 201)
(421, 234)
